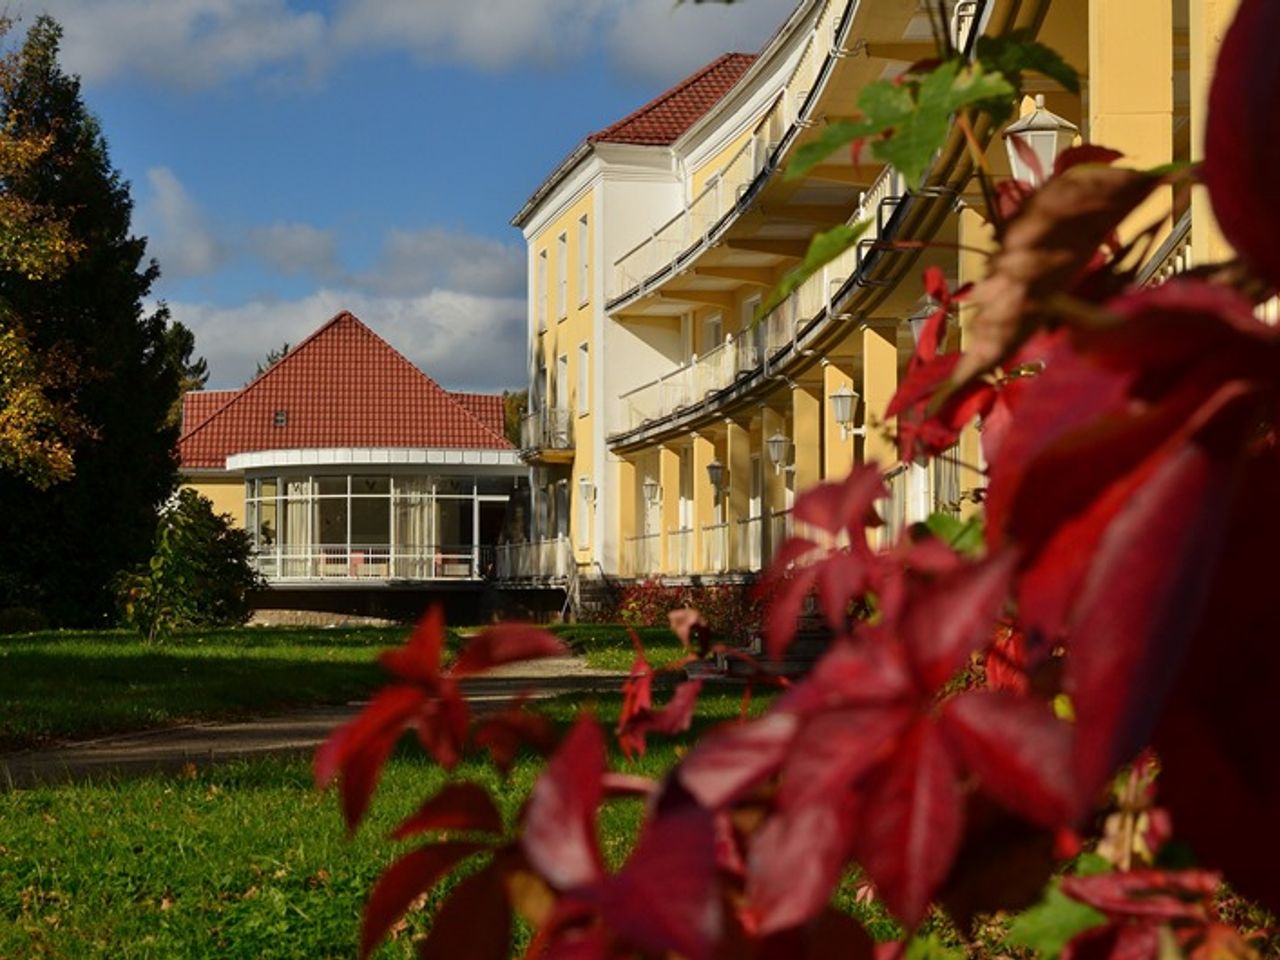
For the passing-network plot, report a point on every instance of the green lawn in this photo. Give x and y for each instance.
(607, 646)
(243, 860)
(63, 684)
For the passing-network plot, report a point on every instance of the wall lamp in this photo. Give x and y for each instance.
(844, 405)
(652, 490)
(1044, 135)
(715, 474)
(779, 450)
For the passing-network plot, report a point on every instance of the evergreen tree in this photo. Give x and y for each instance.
(61, 548)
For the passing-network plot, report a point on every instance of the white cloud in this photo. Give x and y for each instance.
(464, 341)
(659, 40)
(194, 44)
(179, 234)
(187, 43)
(296, 248)
(414, 261)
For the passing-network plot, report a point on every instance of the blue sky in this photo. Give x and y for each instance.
(292, 159)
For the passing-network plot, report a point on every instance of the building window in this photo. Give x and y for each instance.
(584, 260)
(562, 382)
(540, 290)
(562, 276)
(584, 380)
(584, 512)
(712, 333)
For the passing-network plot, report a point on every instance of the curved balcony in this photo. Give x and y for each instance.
(680, 240)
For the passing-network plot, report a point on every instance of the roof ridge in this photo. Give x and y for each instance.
(668, 94)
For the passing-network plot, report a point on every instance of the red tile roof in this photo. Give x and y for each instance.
(663, 119)
(344, 386)
(198, 405)
(485, 407)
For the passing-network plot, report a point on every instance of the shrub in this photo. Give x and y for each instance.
(731, 610)
(199, 574)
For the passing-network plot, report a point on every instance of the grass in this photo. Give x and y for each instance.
(607, 646)
(57, 685)
(242, 860)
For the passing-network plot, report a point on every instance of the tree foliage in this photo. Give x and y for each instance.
(60, 548)
(961, 743)
(198, 575)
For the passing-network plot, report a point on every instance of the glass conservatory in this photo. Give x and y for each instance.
(375, 526)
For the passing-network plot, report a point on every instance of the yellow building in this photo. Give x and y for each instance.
(670, 432)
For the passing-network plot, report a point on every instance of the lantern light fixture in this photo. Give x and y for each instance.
(844, 406)
(779, 449)
(652, 490)
(1045, 135)
(715, 474)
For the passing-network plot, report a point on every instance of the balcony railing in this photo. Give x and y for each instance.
(680, 551)
(715, 548)
(642, 556)
(538, 560)
(750, 543)
(548, 429)
(742, 354)
(375, 562)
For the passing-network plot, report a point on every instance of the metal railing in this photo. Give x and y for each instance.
(749, 350)
(376, 562)
(780, 527)
(750, 543)
(715, 548)
(680, 550)
(547, 560)
(1172, 257)
(547, 429)
(642, 555)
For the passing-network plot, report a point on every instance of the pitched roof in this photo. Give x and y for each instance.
(344, 386)
(199, 405)
(485, 407)
(663, 119)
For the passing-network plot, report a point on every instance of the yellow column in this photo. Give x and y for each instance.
(1130, 92)
(879, 383)
(669, 511)
(737, 447)
(837, 449)
(1209, 21)
(627, 497)
(806, 426)
(704, 495)
(975, 236)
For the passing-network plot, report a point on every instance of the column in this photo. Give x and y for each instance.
(628, 495)
(775, 478)
(879, 383)
(704, 495)
(737, 464)
(1130, 93)
(837, 449)
(806, 427)
(1209, 21)
(669, 504)
(975, 235)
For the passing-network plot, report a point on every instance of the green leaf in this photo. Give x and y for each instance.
(963, 536)
(1047, 927)
(914, 117)
(1014, 54)
(931, 948)
(823, 248)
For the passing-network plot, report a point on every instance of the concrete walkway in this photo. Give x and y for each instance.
(171, 749)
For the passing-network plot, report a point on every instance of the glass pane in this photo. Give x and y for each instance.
(413, 538)
(267, 525)
(249, 489)
(331, 521)
(371, 520)
(412, 486)
(495, 485)
(370, 486)
(454, 523)
(251, 521)
(268, 485)
(454, 485)
(331, 486)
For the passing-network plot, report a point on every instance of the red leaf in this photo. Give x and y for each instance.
(843, 576)
(797, 859)
(729, 762)
(1020, 752)
(834, 749)
(419, 658)
(691, 629)
(506, 643)
(359, 749)
(783, 612)
(589, 944)
(475, 922)
(1143, 596)
(1147, 894)
(413, 874)
(458, 806)
(951, 617)
(911, 822)
(441, 724)
(1085, 153)
(871, 671)
(559, 836)
(673, 718)
(666, 897)
(505, 733)
(831, 936)
(1114, 942)
(1242, 151)
(848, 505)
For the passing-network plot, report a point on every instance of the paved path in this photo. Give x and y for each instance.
(298, 732)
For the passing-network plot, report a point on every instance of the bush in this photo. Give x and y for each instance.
(199, 574)
(731, 610)
(22, 620)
